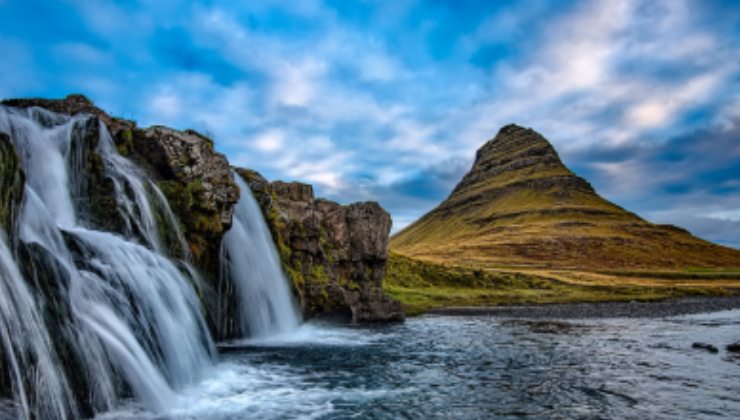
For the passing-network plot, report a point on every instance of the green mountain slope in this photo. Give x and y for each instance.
(519, 206)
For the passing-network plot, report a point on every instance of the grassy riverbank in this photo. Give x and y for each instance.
(421, 285)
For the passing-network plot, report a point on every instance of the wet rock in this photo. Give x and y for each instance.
(734, 347)
(73, 105)
(198, 183)
(705, 346)
(196, 179)
(335, 255)
(93, 192)
(11, 183)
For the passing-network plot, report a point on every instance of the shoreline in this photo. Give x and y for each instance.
(630, 309)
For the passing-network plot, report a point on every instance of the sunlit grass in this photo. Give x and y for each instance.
(421, 286)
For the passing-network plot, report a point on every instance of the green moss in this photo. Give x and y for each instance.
(206, 138)
(320, 303)
(200, 225)
(125, 142)
(349, 284)
(317, 275)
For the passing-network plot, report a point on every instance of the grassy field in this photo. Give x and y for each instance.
(421, 285)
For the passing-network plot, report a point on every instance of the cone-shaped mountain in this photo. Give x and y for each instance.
(521, 206)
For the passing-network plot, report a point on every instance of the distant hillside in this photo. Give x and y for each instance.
(519, 206)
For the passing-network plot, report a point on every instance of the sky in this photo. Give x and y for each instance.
(388, 101)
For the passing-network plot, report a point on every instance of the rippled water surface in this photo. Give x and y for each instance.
(478, 367)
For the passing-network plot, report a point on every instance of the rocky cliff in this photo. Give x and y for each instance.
(521, 206)
(335, 255)
(196, 180)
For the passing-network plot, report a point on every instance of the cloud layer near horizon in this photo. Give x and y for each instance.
(389, 101)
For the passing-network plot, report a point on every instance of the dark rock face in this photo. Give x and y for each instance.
(74, 105)
(94, 194)
(335, 255)
(11, 183)
(197, 181)
(189, 156)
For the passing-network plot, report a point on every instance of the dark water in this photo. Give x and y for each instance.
(480, 367)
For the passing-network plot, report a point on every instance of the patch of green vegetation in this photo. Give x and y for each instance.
(125, 142)
(417, 300)
(200, 225)
(698, 274)
(421, 286)
(206, 137)
(320, 303)
(710, 270)
(317, 275)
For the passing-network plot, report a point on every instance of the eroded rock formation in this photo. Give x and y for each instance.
(197, 181)
(335, 255)
(195, 178)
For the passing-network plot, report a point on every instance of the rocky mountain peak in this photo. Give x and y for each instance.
(511, 140)
(514, 154)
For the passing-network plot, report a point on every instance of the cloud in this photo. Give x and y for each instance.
(407, 195)
(295, 83)
(692, 180)
(270, 141)
(717, 229)
(390, 101)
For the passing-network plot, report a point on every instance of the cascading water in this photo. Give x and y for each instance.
(253, 265)
(121, 313)
(27, 347)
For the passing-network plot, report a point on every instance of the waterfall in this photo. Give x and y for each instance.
(27, 347)
(266, 305)
(122, 316)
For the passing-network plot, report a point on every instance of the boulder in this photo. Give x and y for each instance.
(705, 346)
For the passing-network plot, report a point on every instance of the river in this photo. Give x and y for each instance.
(477, 367)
